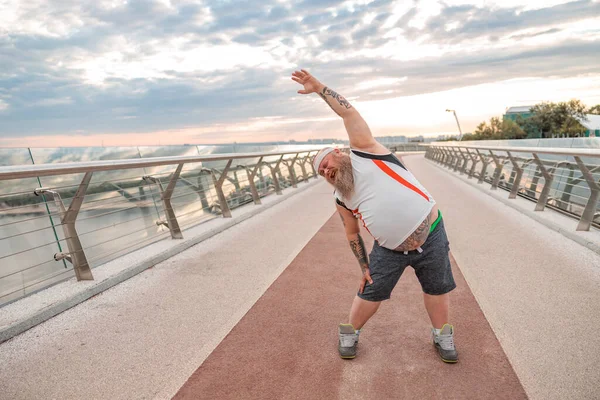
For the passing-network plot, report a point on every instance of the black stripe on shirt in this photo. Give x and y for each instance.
(391, 158)
(339, 202)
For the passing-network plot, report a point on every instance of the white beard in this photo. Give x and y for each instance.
(344, 179)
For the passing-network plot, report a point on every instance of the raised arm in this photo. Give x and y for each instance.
(358, 131)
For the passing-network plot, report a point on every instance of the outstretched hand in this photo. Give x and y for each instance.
(310, 83)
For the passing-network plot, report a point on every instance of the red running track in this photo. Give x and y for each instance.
(285, 347)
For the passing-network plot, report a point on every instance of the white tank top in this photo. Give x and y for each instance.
(387, 198)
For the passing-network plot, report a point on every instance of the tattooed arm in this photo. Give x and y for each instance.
(356, 244)
(358, 131)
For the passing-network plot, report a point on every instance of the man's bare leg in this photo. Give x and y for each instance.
(361, 311)
(437, 308)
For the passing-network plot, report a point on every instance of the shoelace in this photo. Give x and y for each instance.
(348, 340)
(446, 342)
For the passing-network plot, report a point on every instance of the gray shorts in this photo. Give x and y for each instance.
(432, 267)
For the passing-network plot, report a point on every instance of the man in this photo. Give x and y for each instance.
(372, 185)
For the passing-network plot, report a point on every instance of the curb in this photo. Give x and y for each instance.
(37, 318)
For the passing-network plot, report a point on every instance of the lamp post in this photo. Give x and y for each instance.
(459, 130)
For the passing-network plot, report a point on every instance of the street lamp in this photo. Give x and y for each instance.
(454, 112)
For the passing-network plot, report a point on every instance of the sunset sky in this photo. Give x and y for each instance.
(104, 72)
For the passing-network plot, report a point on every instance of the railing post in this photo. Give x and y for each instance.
(225, 211)
(439, 157)
(274, 171)
(290, 166)
(447, 158)
(474, 165)
(450, 159)
(165, 195)
(587, 217)
(261, 177)
(484, 164)
(303, 167)
(251, 175)
(497, 171)
(201, 191)
(235, 180)
(519, 175)
(463, 169)
(532, 191)
(199, 188)
(312, 167)
(76, 255)
(548, 178)
(454, 160)
(571, 183)
(458, 159)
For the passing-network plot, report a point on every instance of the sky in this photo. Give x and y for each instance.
(114, 72)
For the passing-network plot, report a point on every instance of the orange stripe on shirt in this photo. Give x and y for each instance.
(398, 178)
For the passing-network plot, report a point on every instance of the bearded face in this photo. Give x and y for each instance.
(343, 179)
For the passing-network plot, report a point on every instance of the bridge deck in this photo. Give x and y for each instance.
(525, 312)
(286, 346)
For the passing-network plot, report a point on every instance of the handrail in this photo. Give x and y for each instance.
(584, 152)
(446, 154)
(32, 171)
(164, 186)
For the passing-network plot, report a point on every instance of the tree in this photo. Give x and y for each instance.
(594, 110)
(511, 130)
(488, 132)
(559, 118)
(528, 126)
(498, 129)
(568, 116)
(543, 118)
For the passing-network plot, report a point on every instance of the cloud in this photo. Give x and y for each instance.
(539, 33)
(143, 66)
(475, 21)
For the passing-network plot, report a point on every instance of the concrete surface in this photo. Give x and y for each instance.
(25, 313)
(539, 290)
(143, 338)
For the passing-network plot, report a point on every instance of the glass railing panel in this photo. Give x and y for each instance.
(28, 237)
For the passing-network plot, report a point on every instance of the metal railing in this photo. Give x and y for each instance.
(139, 200)
(399, 147)
(567, 180)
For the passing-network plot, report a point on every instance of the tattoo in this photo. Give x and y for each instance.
(358, 248)
(326, 101)
(340, 99)
(417, 238)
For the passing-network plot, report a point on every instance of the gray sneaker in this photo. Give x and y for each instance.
(348, 341)
(444, 343)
